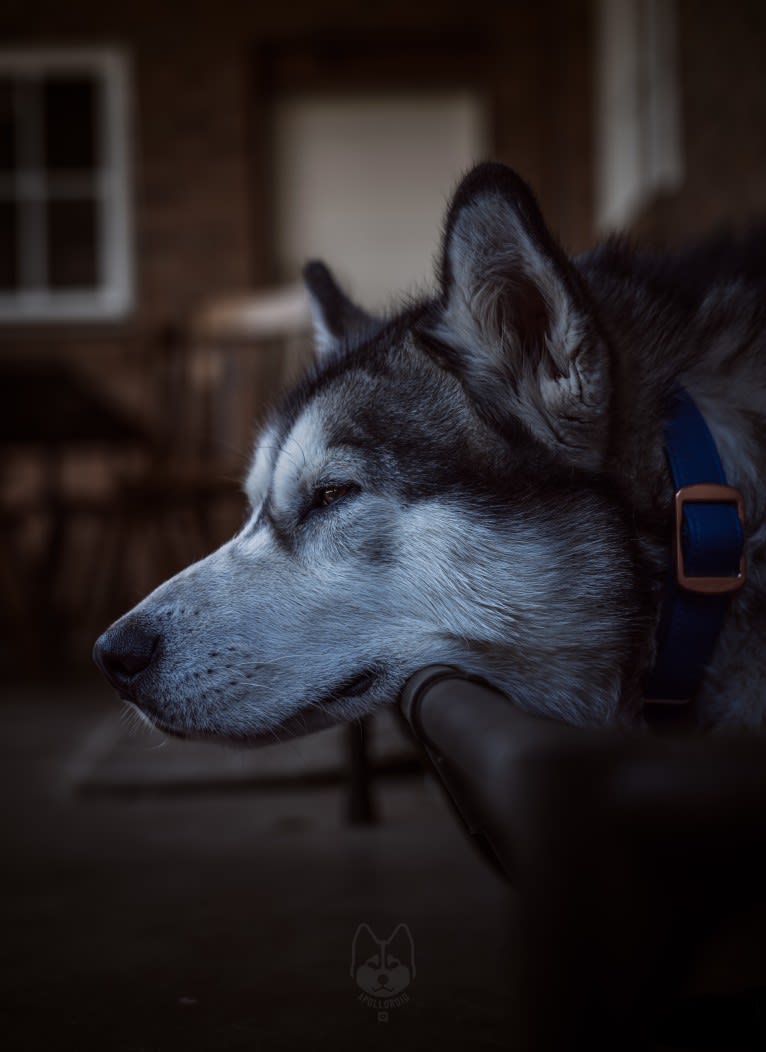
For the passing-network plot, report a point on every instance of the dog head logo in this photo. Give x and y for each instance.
(383, 967)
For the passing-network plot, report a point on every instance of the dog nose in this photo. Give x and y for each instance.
(124, 651)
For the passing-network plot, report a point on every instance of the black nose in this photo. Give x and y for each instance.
(124, 651)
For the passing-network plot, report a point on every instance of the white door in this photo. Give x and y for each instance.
(362, 182)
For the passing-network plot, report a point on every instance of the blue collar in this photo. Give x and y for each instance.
(708, 556)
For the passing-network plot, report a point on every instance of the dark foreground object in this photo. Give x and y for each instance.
(629, 852)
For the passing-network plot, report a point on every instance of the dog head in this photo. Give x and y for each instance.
(383, 967)
(432, 492)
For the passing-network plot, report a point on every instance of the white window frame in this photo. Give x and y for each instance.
(113, 298)
(639, 152)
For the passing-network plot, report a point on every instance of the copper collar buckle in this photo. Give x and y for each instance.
(707, 493)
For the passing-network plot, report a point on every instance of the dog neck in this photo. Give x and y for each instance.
(708, 557)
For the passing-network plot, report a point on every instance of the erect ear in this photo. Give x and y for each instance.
(336, 319)
(401, 946)
(363, 946)
(514, 312)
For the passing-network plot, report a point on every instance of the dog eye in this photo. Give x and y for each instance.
(326, 495)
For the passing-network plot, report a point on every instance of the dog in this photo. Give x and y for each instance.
(477, 480)
(383, 968)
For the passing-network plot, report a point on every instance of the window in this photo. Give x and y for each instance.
(65, 251)
(638, 115)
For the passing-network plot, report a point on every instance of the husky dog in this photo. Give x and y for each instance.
(480, 481)
(383, 968)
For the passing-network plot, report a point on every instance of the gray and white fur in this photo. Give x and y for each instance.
(478, 481)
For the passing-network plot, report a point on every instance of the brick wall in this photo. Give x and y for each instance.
(723, 103)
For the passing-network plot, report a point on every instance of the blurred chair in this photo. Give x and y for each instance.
(49, 413)
(218, 376)
(211, 382)
(169, 485)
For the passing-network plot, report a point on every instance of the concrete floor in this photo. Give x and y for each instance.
(221, 916)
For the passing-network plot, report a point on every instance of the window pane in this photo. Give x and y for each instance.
(7, 126)
(72, 228)
(70, 123)
(9, 277)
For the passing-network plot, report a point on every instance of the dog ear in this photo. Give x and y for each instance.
(364, 945)
(514, 311)
(400, 944)
(336, 319)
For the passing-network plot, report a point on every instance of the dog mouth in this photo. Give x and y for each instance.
(313, 714)
(352, 687)
(321, 712)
